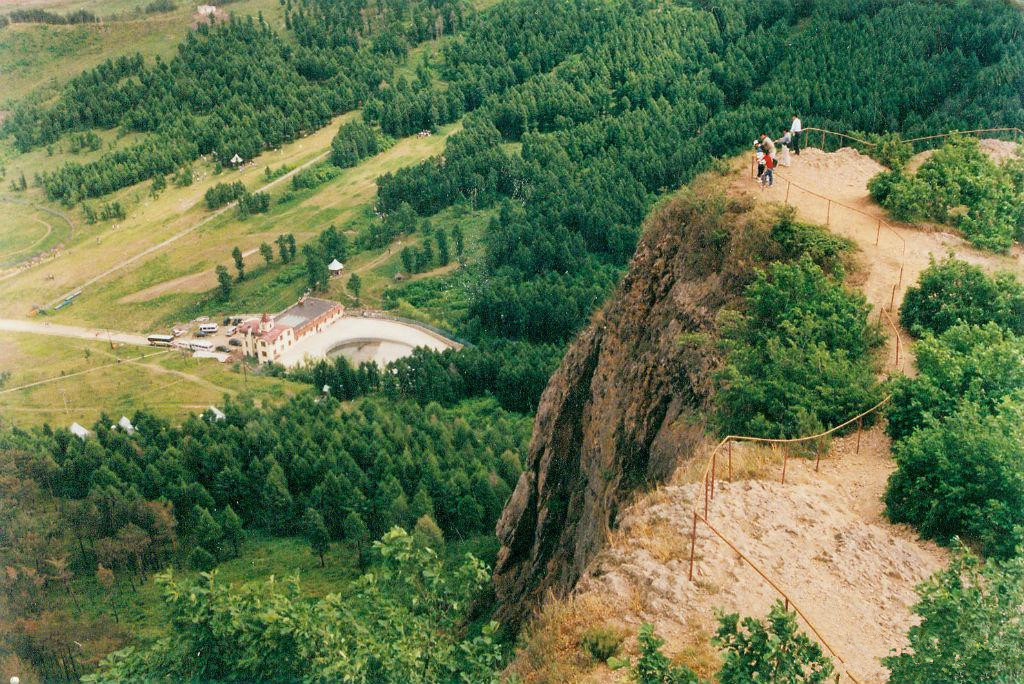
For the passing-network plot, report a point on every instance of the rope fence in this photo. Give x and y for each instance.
(812, 134)
(724, 449)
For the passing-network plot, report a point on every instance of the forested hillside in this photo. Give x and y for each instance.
(235, 87)
(615, 102)
(576, 117)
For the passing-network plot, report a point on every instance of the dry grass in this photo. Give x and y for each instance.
(550, 651)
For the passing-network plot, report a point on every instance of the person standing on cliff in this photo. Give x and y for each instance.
(795, 129)
(767, 145)
(768, 177)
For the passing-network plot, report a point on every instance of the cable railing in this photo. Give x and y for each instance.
(811, 134)
(723, 451)
(710, 479)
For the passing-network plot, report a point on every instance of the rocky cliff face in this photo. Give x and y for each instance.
(629, 399)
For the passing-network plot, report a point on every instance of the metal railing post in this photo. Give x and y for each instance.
(693, 542)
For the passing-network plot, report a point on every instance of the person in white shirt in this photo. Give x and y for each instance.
(794, 129)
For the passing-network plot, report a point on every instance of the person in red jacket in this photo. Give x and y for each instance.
(767, 177)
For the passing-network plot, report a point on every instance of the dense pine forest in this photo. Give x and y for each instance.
(574, 124)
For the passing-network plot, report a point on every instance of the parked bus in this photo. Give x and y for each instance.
(208, 328)
(199, 345)
(161, 340)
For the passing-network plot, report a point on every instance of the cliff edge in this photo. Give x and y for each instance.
(629, 399)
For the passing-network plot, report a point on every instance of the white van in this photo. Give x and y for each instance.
(231, 330)
(208, 328)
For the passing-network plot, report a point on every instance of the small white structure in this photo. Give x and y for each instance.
(335, 267)
(79, 431)
(206, 10)
(126, 425)
(216, 413)
(236, 160)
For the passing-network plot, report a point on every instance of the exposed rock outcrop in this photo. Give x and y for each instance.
(628, 400)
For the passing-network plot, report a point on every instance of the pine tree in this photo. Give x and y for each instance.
(232, 526)
(207, 530)
(223, 282)
(408, 259)
(357, 534)
(236, 254)
(354, 285)
(316, 533)
(460, 245)
(443, 251)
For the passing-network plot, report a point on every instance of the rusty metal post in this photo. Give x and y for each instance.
(693, 542)
(823, 141)
(900, 283)
(785, 460)
(705, 496)
(714, 467)
(730, 460)
(878, 232)
(828, 214)
(859, 423)
(897, 349)
(753, 172)
(787, 602)
(789, 185)
(892, 299)
(817, 458)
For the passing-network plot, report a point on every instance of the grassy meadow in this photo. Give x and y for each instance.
(80, 379)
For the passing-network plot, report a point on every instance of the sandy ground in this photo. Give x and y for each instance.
(850, 573)
(364, 339)
(822, 536)
(902, 251)
(59, 330)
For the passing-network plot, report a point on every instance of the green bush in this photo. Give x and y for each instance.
(653, 666)
(979, 364)
(963, 475)
(799, 356)
(601, 642)
(952, 291)
(970, 628)
(891, 151)
(773, 650)
(961, 186)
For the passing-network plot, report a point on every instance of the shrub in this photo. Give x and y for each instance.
(222, 193)
(653, 666)
(799, 355)
(960, 185)
(601, 642)
(952, 291)
(770, 651)
(963, 475)
(979, 364)
(891, 151)
(970, 628)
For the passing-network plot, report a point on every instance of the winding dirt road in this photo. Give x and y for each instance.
(59, 330)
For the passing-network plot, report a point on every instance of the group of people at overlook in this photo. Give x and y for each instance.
(767, 157)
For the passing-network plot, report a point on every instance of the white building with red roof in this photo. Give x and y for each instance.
(266, 338)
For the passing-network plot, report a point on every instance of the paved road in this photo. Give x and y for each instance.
(58, 330)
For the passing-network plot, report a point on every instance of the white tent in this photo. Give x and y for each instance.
(335, 267)
(216, 413)
(79, 431)
(236, 160)
(126, 425)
